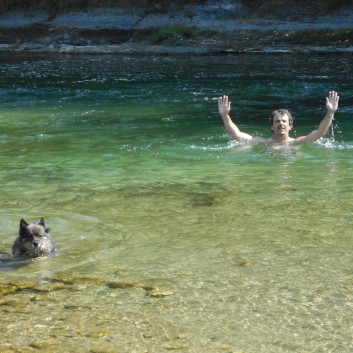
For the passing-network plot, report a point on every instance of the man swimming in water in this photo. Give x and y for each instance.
(281, 123)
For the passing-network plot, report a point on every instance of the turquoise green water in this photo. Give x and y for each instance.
(171, 237)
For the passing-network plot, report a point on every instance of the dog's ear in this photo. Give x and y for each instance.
(41, 222)
(23, 227)
(23, 223)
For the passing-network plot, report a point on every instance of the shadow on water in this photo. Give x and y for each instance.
(7, 262)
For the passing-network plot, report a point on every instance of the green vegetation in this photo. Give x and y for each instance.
(171, 34)
(320, 37)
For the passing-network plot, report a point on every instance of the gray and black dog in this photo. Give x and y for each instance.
(33, 241)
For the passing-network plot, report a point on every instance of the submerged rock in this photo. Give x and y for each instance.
(131, 284)
(152, 291)
(69, 279)
(247, 263)
(43, 298)
(24, 284)
(7, 288)
(203, 200)
(99, 333)
(42, 345)
(14, 303)
(159, 293)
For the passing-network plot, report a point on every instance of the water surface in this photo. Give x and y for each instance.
(172, 237)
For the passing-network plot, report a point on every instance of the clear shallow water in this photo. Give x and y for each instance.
(172, 238)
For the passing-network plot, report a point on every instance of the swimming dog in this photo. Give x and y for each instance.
(33, 241)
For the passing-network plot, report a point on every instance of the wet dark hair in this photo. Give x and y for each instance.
(281, 112)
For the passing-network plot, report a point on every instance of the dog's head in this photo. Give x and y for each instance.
(33, 240)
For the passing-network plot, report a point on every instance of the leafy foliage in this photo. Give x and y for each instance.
(171, 33)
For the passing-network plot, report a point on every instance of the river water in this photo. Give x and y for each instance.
(172, 237)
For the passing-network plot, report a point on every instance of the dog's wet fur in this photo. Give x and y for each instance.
(33, 241)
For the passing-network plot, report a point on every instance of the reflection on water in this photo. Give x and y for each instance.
(172, 238)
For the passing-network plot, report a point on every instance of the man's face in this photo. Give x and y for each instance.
(280, 125)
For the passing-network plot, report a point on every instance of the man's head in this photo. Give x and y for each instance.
(281, 122)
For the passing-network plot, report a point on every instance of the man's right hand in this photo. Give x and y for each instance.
(223, 106)
(332, 102)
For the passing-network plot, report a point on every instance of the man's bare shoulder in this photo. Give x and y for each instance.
(259, 139)
(312, 137)
(271, 140)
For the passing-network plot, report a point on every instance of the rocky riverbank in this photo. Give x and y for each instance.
(211, 28)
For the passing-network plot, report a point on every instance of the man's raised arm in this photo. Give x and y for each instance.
(332, 106)
(224, 109)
